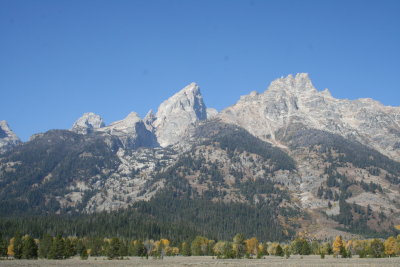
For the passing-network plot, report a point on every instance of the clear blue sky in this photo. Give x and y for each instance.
(59, 59)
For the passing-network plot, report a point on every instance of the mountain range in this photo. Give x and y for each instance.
(297, 157)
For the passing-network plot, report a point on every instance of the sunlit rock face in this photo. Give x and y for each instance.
(8, 139)
(87, 123)
(131, 131)
(293, 99)
(177, 113)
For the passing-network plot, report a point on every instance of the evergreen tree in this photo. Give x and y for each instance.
(199, 246)
(113, 249)
(286, 250)
(96, 245)
(57, 250)
(344, 252)
(140, 250)
(123, 249)
(279, 251)
(228, 251)
(69, 248)
(376, 249)
(83, 253)
(3, 247)
(29, 248)
(300, 246)
(45, 245)
(17, 246)
(305, 248)
(80, 247)
(239, 245)
(185, 249)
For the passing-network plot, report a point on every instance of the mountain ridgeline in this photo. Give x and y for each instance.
(287, 160)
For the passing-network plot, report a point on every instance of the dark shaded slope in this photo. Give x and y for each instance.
(349, 151)
(234, 138)
(39, 170)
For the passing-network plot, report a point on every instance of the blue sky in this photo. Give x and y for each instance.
(59, 59)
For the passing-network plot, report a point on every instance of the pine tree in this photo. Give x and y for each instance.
(29, 248)
(69, 248)
(137, 248)
(57, 250)
(239, 245)
(17, 246)
(45, 245)
(185, 249)
(228, 251)
(80, 247)
(376, 249)
(3, 247)
(199, 246)
(286, 250)
(83, 253)
(305, 248)
(96, 247)
(113, 249)
(279, 251)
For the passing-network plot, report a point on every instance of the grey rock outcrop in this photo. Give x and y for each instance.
(211, 113)
(8, 139)
(177, 113)
(294, 99)
(88, 123)
(149, 119)
(131, 131)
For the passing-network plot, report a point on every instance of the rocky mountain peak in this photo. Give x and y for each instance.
(293, 99)
(211, 113)
(149, 119)
(177, 113)
(131, 131)
(8, 138)
(299, 83)
(87, 123)
(126, 125)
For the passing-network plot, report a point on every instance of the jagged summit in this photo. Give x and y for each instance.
(294, 100)
(175, 114)
(87, 123)
(211, 113)
(131, 131)
(149, 119)
(8, 138)
(126, 124)
(299, 83)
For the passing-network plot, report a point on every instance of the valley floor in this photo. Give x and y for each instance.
(207, 261)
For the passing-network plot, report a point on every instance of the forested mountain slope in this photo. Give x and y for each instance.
(287, 160)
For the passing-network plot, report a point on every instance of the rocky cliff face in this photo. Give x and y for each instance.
(177, 113)
(294, 99)
(211, 113)
(8, 139)
(88, 123)
(131, 131)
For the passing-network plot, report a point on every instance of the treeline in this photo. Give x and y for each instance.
(58, 247)
(168, 215)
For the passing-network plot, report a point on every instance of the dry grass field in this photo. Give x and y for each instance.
(206, 261)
